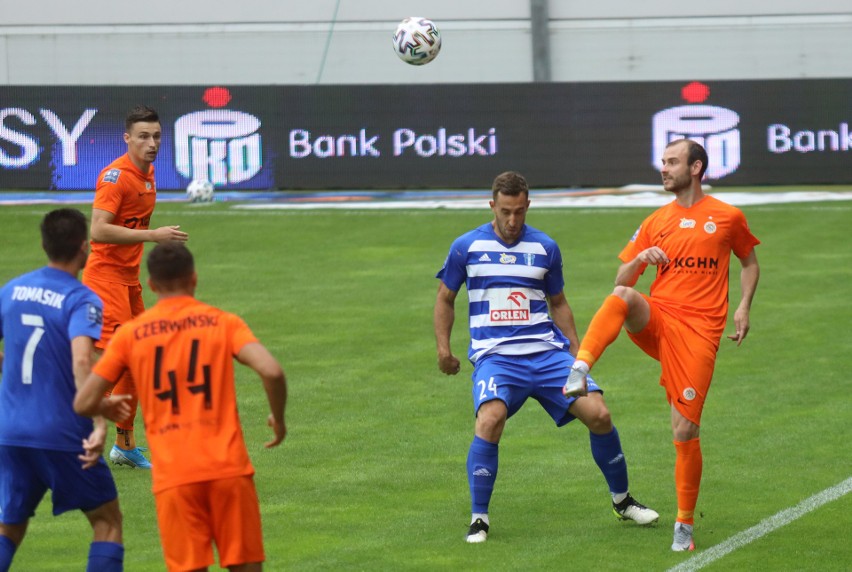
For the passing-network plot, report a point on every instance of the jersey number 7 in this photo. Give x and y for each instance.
(29, 351)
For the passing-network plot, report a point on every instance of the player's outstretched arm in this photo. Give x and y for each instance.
(749, 277)
(104, 230)
(257, 357)
(90, 400)
(444, 317)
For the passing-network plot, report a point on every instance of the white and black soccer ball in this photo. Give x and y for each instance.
(417, 41)
(200, 191)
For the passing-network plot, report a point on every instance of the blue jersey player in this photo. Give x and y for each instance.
(522, 334)
(48, 323)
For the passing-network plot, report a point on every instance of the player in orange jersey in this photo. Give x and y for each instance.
(680, 324)
(121, 213)
(180, 352)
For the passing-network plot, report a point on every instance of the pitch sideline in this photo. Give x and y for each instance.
(764, 527)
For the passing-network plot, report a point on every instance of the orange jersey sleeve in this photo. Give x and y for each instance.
(181, 356)
(698, 242)
(130, 195)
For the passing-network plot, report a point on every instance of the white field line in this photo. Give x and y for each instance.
(764, 527)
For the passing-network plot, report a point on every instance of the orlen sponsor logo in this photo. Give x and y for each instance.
(713, 127)
(441, 142)
(515, 298)
(23, 149)
(220, 145)
(509, 315)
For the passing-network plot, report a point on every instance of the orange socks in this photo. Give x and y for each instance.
(688, 465)
(603, 329)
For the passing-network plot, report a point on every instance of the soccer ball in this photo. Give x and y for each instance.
(417, 41)
(200, 191)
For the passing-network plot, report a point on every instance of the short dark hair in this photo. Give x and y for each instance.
(63, 232)
(139, 114)
(694, 152)
(510, 183)
(170, 264)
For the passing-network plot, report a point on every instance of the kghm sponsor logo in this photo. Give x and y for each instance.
(693, 263)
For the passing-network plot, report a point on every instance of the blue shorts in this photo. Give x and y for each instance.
(512, 379)
(26, 473)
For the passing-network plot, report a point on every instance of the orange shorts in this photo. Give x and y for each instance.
(687, 359)
(192, 517)
(121, 304)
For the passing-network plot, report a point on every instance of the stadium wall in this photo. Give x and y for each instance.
(254, 42)
(447, 136)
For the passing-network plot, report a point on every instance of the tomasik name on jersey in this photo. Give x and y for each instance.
(39, 295)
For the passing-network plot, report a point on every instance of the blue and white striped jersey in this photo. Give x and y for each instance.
(507, 288)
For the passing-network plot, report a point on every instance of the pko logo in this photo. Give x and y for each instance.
(219, 145)
(713, 127)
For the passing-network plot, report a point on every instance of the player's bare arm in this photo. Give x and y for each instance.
(82, 352)
(445, 315)
(257, 357)
(629, 272)
(563, 317)
(90, 400)
(749, 277)
(104, 229)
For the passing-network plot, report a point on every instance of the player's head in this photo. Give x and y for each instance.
(171, 269)
(510, 184)
(140, 114)
(64, 236)
(509, 203)
(142, 133)
(684, 160)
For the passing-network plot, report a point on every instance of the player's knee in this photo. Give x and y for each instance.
(107, 522)
(599, 420)
(624, 292)
(490, 420)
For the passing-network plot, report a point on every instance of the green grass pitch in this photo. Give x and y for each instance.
(371, 475)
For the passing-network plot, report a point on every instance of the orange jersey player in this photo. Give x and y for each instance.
(124, 201)
(681, 322)
(181, 352)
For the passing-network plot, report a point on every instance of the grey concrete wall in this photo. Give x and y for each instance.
(99, 42)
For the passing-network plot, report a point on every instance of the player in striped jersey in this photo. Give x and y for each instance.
(522, 342)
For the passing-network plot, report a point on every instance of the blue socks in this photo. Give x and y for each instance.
(7, 551)
(607, 453)
(105, 557)
(481, 473)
